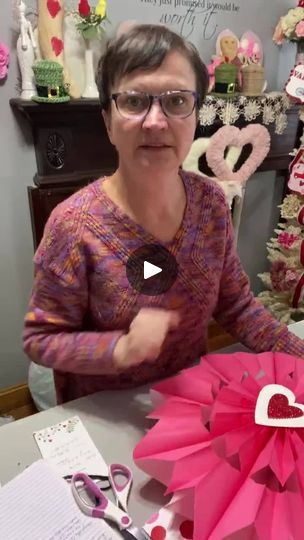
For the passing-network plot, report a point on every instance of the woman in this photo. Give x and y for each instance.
(84, 319)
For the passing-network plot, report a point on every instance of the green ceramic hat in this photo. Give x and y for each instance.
(225, 80)
(49, 82)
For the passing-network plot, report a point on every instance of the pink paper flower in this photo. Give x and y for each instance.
(291, 278)
(300, 29)
(281, 278)
(233, 477)
(286, 240)
(4, 60)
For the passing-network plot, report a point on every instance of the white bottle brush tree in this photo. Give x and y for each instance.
(284, 296)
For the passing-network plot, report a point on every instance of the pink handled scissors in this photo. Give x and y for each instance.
(103, 507)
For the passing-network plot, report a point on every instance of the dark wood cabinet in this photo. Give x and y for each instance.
(72, 149)
(42, 201)
(70, 139)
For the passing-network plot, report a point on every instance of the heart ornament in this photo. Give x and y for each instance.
(57, 45)
(191, 163)
(254, 134)
(53, 7)
(276, 406)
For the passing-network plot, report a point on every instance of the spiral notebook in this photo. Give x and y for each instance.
(39, 504)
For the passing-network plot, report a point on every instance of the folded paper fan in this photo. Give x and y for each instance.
(229, 446)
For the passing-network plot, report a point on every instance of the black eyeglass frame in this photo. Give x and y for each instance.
(156, 97)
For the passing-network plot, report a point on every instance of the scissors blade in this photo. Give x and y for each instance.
(133, 532)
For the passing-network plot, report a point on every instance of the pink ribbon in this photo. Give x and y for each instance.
(299, 287)
(301, 213)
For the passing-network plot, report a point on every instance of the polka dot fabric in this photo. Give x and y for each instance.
(169, 526)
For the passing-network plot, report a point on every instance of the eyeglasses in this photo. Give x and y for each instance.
(174, 103)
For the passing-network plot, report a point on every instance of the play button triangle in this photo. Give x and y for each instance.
(155, 262)
(151, 270)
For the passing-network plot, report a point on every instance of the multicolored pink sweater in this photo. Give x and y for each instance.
(82, 302)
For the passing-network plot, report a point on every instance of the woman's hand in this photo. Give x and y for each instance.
(145, 338)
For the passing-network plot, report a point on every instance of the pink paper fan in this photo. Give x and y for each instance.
(236, 478)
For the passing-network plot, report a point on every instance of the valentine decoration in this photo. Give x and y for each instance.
(285, 281)
(222, 151)
(254, 134)
(4, 60)
(296, 169)
(228, 443)
(50, 31)
(250, 49)
(291, 27)
(90, 25)
(295, 85)
(276, 407)
(90, 19)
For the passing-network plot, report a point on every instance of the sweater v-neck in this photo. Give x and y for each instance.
(137, 229)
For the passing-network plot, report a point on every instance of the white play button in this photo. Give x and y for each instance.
(151, 270)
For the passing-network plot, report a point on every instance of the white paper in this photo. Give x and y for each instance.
(38, 504)
(70, 448)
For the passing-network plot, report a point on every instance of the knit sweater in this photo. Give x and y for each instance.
(82, 302)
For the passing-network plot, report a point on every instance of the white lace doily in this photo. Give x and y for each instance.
(272, 106)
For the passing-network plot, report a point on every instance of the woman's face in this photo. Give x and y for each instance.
(154, 142)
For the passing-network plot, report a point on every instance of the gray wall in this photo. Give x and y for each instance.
(18, 166)
(203, 23)
(259, 217)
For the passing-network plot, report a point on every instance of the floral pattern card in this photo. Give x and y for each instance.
(69, 447)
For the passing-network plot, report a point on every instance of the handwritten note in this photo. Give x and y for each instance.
(38, 504)
(70, 448)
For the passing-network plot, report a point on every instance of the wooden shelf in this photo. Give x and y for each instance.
(33, 110)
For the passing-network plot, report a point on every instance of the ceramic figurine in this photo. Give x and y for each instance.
(26, 53)
(229, 48)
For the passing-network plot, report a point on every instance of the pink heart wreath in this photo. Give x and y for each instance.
(254, 134)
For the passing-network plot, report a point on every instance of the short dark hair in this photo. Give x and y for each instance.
(145, 46)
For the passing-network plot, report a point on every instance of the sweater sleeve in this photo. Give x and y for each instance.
(242, 315)
(53, 334)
